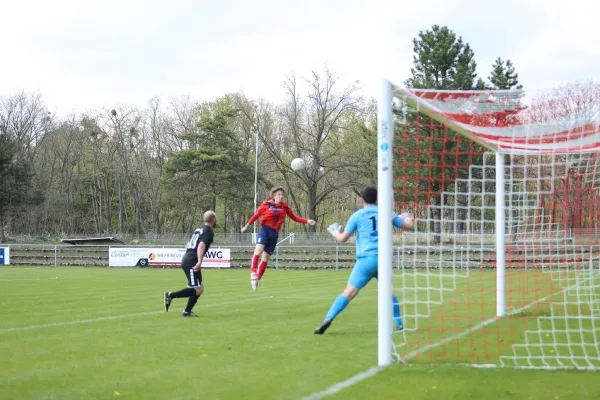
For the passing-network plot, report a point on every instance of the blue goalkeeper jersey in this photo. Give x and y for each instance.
(364, 222)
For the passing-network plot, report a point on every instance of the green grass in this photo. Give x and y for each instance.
(549, 323)
(86, 333)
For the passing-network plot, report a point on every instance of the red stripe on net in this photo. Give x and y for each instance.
(469, 94)
(499, 119)
(586, 148)
(558, 137)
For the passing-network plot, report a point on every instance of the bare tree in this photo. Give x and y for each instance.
(572, 111)
(159, 135)
(122, 126)
(257, 119)
(58, 161)
(316, 127)
(185, 116)
(26, 119)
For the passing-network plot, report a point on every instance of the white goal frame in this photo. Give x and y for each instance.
(385, 172)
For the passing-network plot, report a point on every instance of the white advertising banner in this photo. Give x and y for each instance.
(4, 255)
(158, 256)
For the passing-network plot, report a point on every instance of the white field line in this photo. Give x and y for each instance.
(338, 387)
(85, 321)
(31, 279)
(489, 321)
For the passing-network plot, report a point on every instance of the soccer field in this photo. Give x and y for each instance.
(551, 318)
(99, 333)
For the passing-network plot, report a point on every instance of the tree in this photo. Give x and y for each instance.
(123, 127)
(15, 179)
(442, 61)
(212, 166)
(57, 166)
(573, 196)
(25, 118)
(504, 76)
(580, 99)
(317, 127)
(158, 136)
(255, 119)
(480, 85)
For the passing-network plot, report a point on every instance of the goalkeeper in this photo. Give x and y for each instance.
(364, 222)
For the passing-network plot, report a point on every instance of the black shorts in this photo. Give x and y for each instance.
(268, 238)
(194, 278)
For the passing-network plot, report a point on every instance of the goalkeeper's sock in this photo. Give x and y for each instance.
(254, 263)
(337, 307)
(397, 315)
(192, 300)
(262, 267)
(187, 292)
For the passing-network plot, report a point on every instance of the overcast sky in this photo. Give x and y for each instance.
(82, 54)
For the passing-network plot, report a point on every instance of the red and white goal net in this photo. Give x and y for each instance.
(503, 267)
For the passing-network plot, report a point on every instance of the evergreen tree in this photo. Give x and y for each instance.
(212, 167)
(504, 76)
(442, 61)
(480, 85)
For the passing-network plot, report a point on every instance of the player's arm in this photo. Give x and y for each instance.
(299, 219)
(342, 237)
(259, 211)
(200, 252)
(205, 240)
(403, 221)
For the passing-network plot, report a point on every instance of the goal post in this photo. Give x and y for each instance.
(503, 266)
(385, 196)
(500, 237)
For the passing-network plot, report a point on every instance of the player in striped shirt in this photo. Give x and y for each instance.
(272, 213)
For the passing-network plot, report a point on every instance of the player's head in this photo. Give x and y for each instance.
(210, 218)
(278, 194)
(369, 194)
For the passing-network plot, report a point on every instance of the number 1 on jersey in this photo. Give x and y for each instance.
(374, 223)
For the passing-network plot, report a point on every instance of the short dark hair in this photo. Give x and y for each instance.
(275, 190)
(369, 194)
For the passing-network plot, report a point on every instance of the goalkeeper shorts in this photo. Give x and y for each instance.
(364, 270)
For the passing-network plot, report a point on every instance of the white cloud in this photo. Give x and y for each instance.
(84, 54)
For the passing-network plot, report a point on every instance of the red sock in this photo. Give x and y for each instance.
(253, 263)
(261, 269)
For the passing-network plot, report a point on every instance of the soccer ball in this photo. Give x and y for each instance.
(298, 164)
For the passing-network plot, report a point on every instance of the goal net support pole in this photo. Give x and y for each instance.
(500, 237)
(385, 195)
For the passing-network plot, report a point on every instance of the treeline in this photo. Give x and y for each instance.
(157, 168)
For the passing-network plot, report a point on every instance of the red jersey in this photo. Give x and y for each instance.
(273, 215)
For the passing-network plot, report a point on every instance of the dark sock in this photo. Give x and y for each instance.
(192, 300)
(187, 292)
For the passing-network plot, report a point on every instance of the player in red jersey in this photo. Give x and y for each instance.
(272, 213)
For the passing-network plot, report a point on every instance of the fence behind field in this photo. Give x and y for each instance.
(322, 256)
